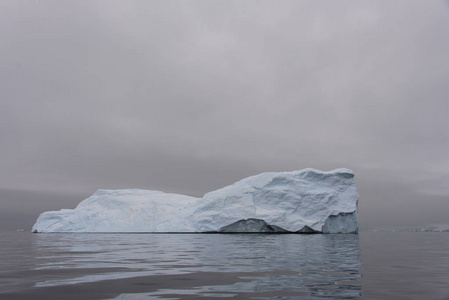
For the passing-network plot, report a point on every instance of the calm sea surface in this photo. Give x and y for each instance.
(384, 265)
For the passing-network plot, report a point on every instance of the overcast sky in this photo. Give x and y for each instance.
(190, 96)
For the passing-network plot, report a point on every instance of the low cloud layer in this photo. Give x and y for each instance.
(190, 96)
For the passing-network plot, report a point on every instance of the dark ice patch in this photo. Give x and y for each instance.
(252, 226)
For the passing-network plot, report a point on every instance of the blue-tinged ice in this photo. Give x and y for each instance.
(304, 201)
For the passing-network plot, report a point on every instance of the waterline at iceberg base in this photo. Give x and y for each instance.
(304, 201)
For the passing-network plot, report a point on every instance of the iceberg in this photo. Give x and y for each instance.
(304, 201)
(435, 228)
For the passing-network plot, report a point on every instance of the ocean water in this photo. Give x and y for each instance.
(383, 265)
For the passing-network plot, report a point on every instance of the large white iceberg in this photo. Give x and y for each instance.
(305, 201)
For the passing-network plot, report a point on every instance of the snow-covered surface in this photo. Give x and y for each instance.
(324, 201)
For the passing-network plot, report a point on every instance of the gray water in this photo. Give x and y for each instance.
(405, 265)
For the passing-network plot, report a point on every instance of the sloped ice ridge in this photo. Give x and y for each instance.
(305, 201)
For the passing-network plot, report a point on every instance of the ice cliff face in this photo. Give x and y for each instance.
(305, 201)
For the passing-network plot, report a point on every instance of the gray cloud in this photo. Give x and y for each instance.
(190, 96)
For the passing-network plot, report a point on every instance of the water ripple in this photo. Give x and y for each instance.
(318, 266)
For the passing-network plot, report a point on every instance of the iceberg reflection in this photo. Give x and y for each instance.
(266, 265)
